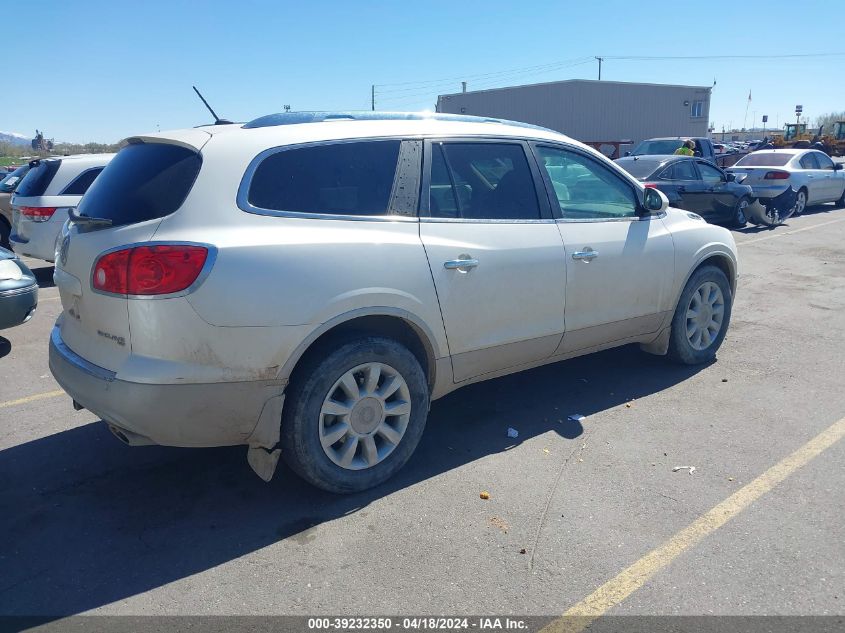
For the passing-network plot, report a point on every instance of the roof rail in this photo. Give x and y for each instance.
(294, 118)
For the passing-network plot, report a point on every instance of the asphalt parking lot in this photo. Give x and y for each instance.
(89, 525)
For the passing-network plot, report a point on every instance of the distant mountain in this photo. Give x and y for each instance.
(15, 139)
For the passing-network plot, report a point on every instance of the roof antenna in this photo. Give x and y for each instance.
(217, 119)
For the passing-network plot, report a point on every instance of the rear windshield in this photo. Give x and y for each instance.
(654, 148)
(144, 181)
(764, 159)
(40, 176)
(639, 168)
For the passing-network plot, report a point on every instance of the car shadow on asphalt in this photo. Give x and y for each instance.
(5, 346)
(44, 276)
(87, 521)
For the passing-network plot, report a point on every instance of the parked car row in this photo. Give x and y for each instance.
(693, 184)
(7, 187)
(764, 187)
(44, 197)
(305, 284)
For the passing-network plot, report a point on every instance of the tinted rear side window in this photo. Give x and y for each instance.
(342, 178)
(81, 183)
(39, 178)
(144, 181)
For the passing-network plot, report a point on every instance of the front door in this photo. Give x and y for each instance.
(834, 181)
(620, 266)
(495, 255)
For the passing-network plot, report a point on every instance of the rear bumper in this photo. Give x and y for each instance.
(769, 191)
(40, 241)
(211, 414)
(17, 306)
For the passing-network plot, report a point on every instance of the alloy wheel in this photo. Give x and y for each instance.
(800, 203)
(364, 416)
(705, 315)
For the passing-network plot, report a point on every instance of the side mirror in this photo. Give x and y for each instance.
(838, 166)
(730, 177)
(655, 201)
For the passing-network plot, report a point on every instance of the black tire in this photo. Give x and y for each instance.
(5, 231)
(681, 349)
(311, 384)
(795, 211)
(841, 201)
(739, 218)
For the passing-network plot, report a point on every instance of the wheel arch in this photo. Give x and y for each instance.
(721, 260)
(394, 323)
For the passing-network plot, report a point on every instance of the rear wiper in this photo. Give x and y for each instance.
(84, 219)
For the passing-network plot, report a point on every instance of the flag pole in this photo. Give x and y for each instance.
(748, 103)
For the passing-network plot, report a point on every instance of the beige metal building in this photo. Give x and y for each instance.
(593, 111)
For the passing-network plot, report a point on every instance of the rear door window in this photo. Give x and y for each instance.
(808, 161)
(40, 176)
(482, 181)
(144, 181)
(339, 178)
(82, 182)
(682, 170)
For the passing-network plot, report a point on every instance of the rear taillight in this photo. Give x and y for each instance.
(776, 175)
(38, 214)
(149, 270)
(650, 185)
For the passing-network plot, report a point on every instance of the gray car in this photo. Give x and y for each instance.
(810, 173)
(18, 290)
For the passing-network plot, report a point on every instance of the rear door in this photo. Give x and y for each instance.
(142, 184)
(681, 175)
(619, 266)
(495, 254)
(814, 178)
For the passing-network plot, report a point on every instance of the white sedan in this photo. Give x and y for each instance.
(810, 173)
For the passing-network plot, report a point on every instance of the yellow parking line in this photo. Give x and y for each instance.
(785, 233)
(614, 591)
(37, 396)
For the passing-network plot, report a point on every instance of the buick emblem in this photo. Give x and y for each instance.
(63, 250)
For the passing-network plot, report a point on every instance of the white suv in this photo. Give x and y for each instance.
(40, 205)
(306, 283)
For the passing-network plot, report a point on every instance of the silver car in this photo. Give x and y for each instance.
(40, 204)
(307, 283)
(810, 173)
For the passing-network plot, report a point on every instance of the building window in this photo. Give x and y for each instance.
(697, 109)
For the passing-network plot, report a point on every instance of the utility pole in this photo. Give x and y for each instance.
(373, 97)
(600, 60)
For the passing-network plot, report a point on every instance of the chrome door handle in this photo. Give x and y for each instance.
(587, 255)
(455, 264)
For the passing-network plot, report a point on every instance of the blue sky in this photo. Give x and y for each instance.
(107, 70)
